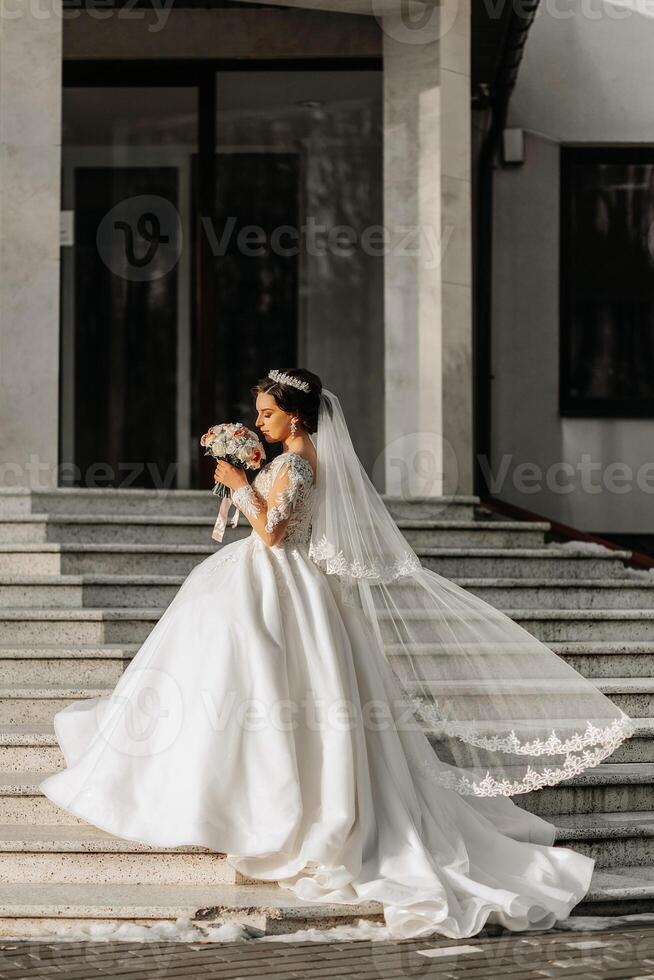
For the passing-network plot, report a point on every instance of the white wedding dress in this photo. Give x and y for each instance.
(228, 730)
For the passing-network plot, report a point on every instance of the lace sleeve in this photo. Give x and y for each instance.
(247, 500)
(289, 486)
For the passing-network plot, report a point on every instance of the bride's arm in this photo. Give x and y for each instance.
(287, 488)
(252, 504)
(269, 519)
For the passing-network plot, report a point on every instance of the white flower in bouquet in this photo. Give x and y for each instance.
(234, 442)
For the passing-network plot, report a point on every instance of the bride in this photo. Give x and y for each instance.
(334, 717)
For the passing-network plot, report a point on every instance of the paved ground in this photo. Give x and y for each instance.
(626, 952)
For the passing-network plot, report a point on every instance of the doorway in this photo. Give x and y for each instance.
(186, 193)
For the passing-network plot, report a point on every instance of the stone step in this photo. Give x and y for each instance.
(483, 565)
(612, 787)
(41, 666)
(35, 909)
(68, 627)
(474, 534)
(79, 854)
(156, 529)
(639, 747)
(634, 695)
(626, 890)
(609, 787)
(75, 591)
(107, 500)
(574, 593)
(608, 658)
(551, 562)
(612, 839)
(592, 659)
(111, 500)
(72, 591)
(104, 559)
(30, 530)
(32, 746)
(77, 626)
(21, 705)
(22, 803)
(563, 625)
(132, 625)
(549, 625)
(29, 908)
(84, 853)
(101, 665)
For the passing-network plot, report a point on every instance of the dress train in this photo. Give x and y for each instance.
(246, 723)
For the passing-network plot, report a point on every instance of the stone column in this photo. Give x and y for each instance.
(428, 281)
(30, 137)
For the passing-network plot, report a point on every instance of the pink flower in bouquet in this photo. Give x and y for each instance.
(235, 443)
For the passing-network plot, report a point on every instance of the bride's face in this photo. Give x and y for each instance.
(273, 422)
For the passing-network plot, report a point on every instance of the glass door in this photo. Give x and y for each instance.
(218, 220)
(296, 257)
(127, 160)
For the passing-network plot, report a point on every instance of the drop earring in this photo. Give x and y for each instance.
(293, 427)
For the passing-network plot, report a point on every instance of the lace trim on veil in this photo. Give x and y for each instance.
(512, 744)
(337, 564)
(606, 739)
(533, 778)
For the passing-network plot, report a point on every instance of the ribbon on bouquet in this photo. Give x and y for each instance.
(221, 520)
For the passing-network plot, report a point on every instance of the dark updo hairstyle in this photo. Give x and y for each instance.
(304, 404)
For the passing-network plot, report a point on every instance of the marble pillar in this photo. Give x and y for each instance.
(428, 276)
(30, 137)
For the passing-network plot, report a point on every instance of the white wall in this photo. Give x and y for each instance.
(585, 78)
(30, 85)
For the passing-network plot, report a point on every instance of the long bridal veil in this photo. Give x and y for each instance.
(504, 713)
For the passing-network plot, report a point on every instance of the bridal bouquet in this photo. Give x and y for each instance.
(235, 443)
(238, 445)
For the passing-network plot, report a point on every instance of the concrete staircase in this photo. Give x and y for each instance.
(85, 575)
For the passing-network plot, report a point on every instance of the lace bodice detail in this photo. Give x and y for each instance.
(296, 498)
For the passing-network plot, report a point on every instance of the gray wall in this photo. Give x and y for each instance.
(584, 79)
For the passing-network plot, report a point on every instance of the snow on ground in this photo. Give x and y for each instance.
(641, 573)
(583, 547)
(183, 930)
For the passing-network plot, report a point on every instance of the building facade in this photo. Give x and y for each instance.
(190, 196)
(573, 274)
(442, 210)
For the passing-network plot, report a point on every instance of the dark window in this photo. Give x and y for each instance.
(607, 281)
(184, 184)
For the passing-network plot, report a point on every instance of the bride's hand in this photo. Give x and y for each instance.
(231, 476)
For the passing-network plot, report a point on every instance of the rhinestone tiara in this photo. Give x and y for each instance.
(286, 379)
